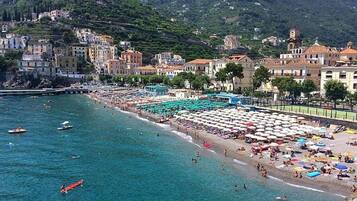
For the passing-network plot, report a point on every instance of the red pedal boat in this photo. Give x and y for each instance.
(72, 186)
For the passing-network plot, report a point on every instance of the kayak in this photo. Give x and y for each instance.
(72, 186)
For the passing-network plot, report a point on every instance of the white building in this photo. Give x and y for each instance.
(345, 74)
(12, 41)
(168, 58)
(36, 65)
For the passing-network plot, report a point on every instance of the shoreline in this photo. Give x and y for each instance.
(220, 145)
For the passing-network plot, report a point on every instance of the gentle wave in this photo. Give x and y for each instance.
(275, 178)
(184, 136)
(239, 162)
(339, 195)
(304, 187)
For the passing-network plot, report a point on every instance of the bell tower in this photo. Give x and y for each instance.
(294, 40)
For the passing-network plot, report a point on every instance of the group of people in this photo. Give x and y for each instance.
(262, 170)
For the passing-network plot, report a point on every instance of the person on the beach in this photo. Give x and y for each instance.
(354, 188)
(225, 152)
(296, 174)
(300, 175)
(258, 167)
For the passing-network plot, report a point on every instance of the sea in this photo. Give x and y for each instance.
(120, 157)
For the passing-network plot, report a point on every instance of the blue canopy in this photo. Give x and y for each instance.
(341, 166)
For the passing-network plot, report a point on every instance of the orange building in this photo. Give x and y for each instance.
(132, 58)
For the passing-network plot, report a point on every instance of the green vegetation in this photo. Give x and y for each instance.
(333, 21)
(335, 90)
(9, 60)
(128, 20)
(261, 76)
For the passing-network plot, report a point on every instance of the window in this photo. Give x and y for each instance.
(328, 74)
(354, 85)
(355, 75)
(343, 75)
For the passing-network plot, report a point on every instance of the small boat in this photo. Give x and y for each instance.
(65, 189)
(65, 126)
(18, 130)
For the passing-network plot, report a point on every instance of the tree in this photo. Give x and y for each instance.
(288, 84)
(308, 86)
(3, 64)
(351, 99)
(335, 90)
(156, 79)
(178, 81)
(221, 75)
(234, 70)
(261, 75)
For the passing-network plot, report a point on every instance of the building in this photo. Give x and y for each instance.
(144, 70)
(271, 40)
(54, 15)
(116, 67)
(197, 66)
(13, 42)
(132, 58)
(348, 55)
(294, 40)
(40, 47)
(125, 44)
(214, 66)
(303, 63)
(170, 71)
(79, 51)
(231, 42)
(248, 71)
(346, 74)
(168, 58)
(157, 90)
(67, 64)
(101, 53)
(34, 64)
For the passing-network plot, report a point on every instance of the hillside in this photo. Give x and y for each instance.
(332, 21)
(129, 20)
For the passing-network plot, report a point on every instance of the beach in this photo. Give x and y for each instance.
(229, 147)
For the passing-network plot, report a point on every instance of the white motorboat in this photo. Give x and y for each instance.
(17, 130)
(65, 126)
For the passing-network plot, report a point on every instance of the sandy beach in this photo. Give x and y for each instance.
(229, 148)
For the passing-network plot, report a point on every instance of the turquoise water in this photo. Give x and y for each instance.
(119, 156)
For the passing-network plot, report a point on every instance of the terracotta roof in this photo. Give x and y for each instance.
(349, 51)
(200, 61)
(317, 49)
(237, 57)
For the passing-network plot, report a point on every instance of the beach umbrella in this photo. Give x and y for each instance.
(341, 166)
(273, 144)
(272, 137)
(299, 169)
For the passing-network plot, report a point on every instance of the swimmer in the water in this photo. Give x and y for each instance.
(245, 187)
